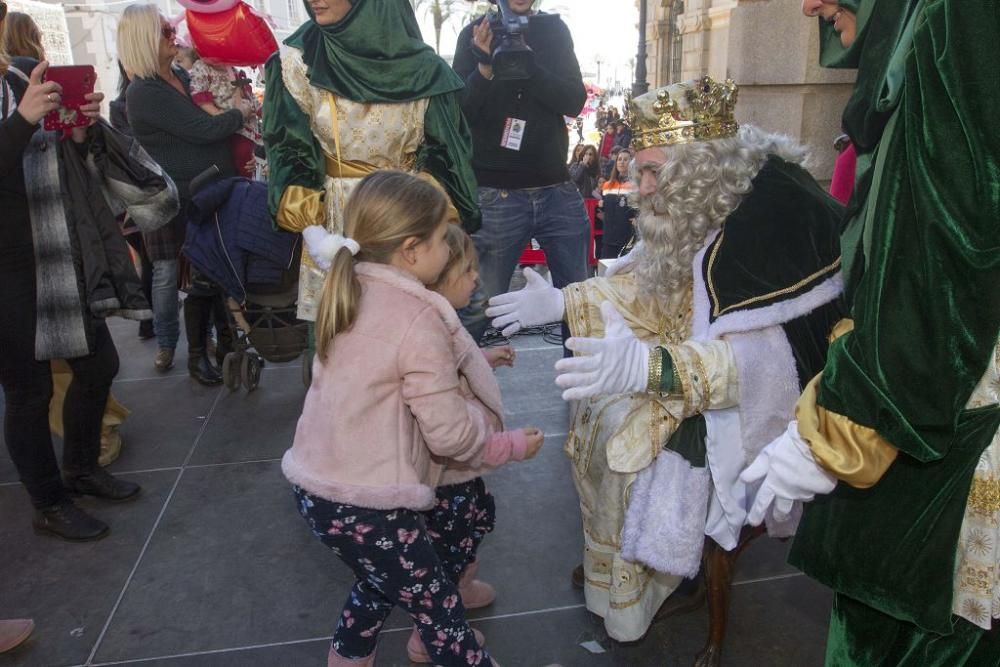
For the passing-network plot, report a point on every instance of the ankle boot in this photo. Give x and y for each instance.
(197, 311)
(101, 484)
(66, 520)
(334, 659)
(417, 652)
(475, 593)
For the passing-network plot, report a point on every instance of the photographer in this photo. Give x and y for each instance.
(519, 153)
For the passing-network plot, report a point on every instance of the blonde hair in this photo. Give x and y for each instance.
(22, 37)
(139, 34)
(386, 208)
(462, 256)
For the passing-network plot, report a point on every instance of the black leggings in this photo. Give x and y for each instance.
(27, 386)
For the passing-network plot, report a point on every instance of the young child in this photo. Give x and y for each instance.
(385, 411)
(464, 510)
(217, 89)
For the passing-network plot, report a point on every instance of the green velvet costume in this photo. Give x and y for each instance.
(375, 54)
(921, 266)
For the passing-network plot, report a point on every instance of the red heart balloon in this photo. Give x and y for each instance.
(208, 6)
(238, 36)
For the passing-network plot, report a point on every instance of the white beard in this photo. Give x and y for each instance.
(665, 253)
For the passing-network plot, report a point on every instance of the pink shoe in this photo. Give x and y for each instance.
(13, 632)
(475, 593)
(334, 659)
(416, 652)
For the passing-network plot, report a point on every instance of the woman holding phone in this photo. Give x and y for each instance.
(42, 329)
(185, 140)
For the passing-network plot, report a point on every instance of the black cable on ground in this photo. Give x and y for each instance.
(550, 333)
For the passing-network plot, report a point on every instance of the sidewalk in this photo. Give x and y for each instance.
(213, 566)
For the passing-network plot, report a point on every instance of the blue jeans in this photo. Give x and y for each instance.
(554, 216)
(166, 318)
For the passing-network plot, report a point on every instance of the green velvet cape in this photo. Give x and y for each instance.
(374, 54)
(921, 254)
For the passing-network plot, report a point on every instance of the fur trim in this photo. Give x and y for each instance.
(778, 313)
(769, 386)
(751, 319)
(417, 497)
(700, 305)
(665, 520)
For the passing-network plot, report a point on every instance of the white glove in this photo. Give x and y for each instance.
(314, 235)
(623, 264)
(615, 364)
(324, 246)
(790, 474)
(538, 303)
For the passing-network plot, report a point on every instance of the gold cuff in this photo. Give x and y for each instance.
(300, 207)
(854, 453)
(655, 370)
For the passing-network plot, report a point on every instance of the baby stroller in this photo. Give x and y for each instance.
(231, 238)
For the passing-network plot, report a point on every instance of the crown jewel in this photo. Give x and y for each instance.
(696, 110)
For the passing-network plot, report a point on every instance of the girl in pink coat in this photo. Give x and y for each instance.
(384, 415)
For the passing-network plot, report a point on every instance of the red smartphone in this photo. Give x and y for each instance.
(76, 81)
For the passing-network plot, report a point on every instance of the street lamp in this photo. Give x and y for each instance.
(640, 85)
(599, 61)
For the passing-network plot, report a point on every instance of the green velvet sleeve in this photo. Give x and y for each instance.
(922, 256)
(446, 154)
(667, 377)
(294, 157)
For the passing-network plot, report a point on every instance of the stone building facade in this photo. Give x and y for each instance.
(769, 49)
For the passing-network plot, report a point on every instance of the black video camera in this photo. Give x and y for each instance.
(512, 58)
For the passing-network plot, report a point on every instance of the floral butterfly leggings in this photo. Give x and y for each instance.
(410, 559)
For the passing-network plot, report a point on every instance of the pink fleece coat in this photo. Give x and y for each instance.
(386, 411)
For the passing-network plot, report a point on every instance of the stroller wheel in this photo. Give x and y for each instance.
(250, 370)
(231, 370)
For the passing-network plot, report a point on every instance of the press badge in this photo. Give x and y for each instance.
(513, 133)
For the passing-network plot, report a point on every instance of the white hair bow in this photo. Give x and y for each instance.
(323, 246)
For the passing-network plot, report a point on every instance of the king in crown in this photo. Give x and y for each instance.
(690, 357)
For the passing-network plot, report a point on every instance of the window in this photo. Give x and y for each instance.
(675, 40)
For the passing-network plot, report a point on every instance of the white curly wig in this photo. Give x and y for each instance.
(699, 185)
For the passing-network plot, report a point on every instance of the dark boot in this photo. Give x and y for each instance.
(66, 520)
(146, 330)
(101, 484)
(197, 314)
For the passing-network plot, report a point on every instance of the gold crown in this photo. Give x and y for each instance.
(681, 113)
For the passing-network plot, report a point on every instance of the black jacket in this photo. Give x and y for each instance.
(554, 91)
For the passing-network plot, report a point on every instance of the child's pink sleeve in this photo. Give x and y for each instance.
(505, 446)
